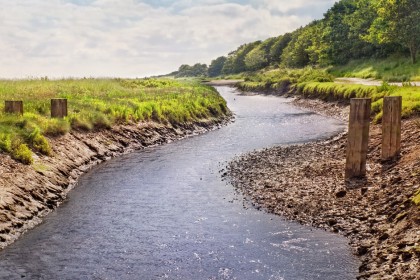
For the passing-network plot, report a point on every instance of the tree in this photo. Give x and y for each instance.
(228, 65)
(359, 23)
(235, 62)
(397, 21)
(338, 45)
(197, 70)
(216, 66)
(277, 48)
(256, 59)
(305, 46)
(266, 46)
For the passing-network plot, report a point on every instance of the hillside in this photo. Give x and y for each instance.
(377, 39)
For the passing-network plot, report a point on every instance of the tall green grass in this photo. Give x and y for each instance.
(392, 69)
(98, 104)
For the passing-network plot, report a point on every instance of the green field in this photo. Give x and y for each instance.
(95, 104)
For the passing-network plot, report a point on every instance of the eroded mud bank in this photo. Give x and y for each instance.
(27, 193)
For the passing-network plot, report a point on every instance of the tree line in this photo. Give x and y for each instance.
(351, 29)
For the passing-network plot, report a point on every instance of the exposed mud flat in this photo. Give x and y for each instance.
(27, 193)
(306, 183)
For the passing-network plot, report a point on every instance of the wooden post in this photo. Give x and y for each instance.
(391, 127)
(357, 142)
(58, 108)
(13, 107)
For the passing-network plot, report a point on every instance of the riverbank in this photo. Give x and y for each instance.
(29, 192)
(306, 183)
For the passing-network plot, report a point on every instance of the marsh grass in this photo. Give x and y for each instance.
(97, 104)
(392, 69)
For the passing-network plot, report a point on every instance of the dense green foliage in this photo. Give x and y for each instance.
(197, 70)
(216, 66)
(396, 22)
(98, 104)
(350, 30)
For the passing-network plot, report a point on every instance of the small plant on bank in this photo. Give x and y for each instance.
(21, 152)
(416, 198)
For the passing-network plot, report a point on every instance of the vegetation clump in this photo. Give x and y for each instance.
(98, 104)
(416, 198)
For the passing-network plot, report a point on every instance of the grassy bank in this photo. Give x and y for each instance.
(97, 104)
(392, 69)
(314, 83)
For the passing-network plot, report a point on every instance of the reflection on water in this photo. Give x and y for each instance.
(165, 213)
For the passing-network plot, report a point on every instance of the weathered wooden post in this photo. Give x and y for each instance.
(391, 127)
(13, 107)
(358, 137)
(58, 108)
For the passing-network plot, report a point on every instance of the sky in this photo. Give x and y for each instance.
(136, 38)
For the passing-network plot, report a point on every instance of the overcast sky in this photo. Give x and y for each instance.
(136, 38)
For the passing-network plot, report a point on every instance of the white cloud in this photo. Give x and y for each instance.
(130, 38)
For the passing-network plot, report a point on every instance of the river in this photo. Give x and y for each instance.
(166, 213)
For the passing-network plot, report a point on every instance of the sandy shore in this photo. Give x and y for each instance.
(28, 193)
(305, 183)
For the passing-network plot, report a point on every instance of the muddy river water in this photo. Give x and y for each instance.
(166, 213)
